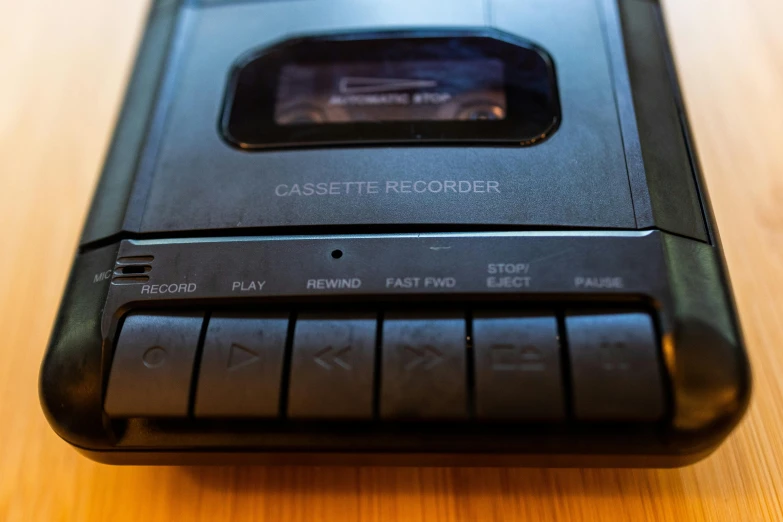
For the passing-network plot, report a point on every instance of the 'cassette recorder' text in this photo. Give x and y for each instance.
(391, 187)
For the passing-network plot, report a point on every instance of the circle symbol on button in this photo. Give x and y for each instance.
(154, 357)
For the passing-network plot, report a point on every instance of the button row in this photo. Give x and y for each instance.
(416, 366)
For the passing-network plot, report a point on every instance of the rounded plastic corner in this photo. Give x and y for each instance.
(712, 385)
(703, 349)
(70, 378)
(70, 410)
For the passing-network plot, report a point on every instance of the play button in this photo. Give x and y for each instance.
(241, 366)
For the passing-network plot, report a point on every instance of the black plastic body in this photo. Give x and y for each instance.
(615, 192)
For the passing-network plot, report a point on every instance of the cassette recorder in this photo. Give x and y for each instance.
(449, 232)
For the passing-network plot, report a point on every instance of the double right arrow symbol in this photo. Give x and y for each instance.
(426, 357)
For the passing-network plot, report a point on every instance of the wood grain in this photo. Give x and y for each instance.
(63, 67)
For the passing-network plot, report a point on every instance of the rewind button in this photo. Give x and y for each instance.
(332, 365)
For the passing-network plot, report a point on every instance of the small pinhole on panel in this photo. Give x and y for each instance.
(337, 254)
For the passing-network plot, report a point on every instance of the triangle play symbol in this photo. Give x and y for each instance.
(239, 356)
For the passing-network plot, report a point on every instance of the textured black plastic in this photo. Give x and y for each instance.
(424, 366)
(577, 178)
(210, 229)
(332, 366)
(640, 72)
(694, 321)
(517, 365)
(615, 367)
(241, 366)
(73, 369)
(669, 176)
(110, 202)
(152, 367)
(711, 379)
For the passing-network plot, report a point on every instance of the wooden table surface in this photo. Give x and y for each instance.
(63, 67)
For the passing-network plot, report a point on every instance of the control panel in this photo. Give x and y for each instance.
(393, 365)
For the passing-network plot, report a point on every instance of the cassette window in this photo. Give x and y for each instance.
(482, 87)
(430, 90)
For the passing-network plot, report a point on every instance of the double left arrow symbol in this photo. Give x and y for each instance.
(330, 357)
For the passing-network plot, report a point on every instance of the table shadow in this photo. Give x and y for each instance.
(463, 481)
